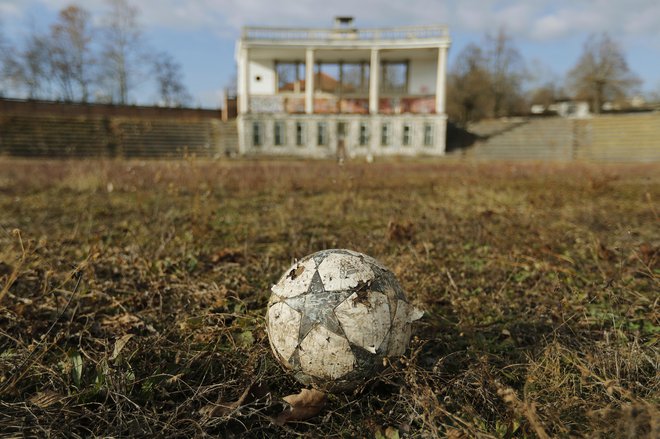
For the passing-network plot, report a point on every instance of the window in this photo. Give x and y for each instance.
(394, 76)
(364, 134)
(385, 134)
(354, 77)
(300, 134)
(428, 134)
(322, 134)
(327, 77)
(341, 77)
(279, 133)
(406, 134)
(257, 135)
(290, 76)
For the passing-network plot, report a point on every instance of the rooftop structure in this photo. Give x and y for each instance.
(342, 91)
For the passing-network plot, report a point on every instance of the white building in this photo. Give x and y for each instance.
(342, 91)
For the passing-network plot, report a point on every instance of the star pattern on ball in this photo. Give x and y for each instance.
(317, 307)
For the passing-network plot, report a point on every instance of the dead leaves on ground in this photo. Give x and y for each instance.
(304, 405)
(298, 407)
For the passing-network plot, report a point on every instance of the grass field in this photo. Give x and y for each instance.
(132, 296)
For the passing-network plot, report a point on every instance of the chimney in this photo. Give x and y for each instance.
(344, 22)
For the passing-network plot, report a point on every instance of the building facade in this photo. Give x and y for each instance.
(343, 91)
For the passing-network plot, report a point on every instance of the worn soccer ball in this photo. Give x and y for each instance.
(334, 316)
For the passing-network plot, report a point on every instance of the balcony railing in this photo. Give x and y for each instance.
(252, 33)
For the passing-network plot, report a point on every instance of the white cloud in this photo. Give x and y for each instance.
(9, 9)
(549, 27)
(542, 20)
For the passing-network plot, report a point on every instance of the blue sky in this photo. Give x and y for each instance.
(201, 34)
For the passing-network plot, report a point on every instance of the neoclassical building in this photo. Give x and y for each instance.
(342, 91)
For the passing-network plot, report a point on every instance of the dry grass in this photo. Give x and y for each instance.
(132, 296)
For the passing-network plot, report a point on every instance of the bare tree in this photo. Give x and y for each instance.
(469, 92)
(123, 55)
(507, 71)
(71, 55)
(169, 79)
(486, 81)
(602, 72)
(29, 69)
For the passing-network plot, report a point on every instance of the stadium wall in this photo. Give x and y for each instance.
(603, 138)
(56, 129)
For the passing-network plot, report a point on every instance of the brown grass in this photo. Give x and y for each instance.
(132, 296)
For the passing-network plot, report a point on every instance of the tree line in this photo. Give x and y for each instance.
(76, 60)
(488, 79)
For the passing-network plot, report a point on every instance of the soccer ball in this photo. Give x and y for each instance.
(334, 316)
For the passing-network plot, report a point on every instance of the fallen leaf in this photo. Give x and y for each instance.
(304, 405)
(119, 345)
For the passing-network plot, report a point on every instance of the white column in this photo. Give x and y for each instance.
(374, 74)
(309, 81)
(243, 81)
(440, 81)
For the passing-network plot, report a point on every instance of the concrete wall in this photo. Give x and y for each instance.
(619, 138)
(352, 148)
(265, 70)
(52, 129)
(605, 138)
(422, 76)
